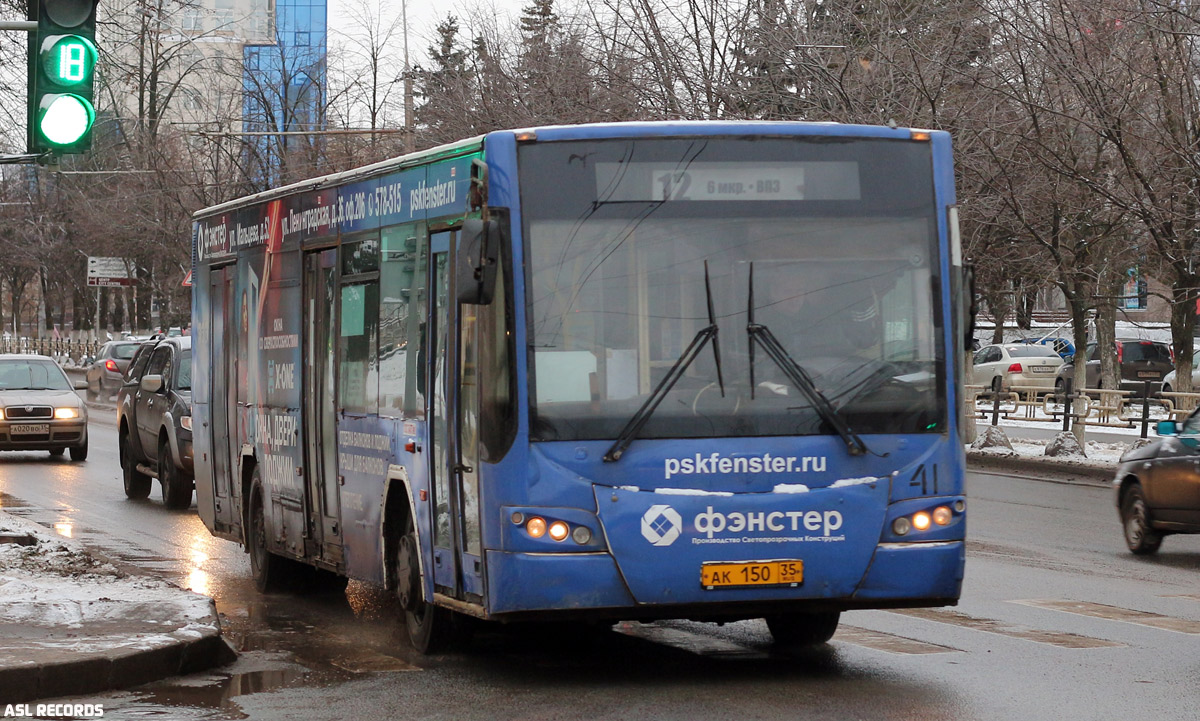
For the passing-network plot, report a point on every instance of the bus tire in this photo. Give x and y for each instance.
(429, 626)
(137, 484)
(1140, 538)
(803, 629)
(176, 485)
(270, 572)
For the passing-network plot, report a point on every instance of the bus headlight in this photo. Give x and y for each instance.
(559, 530)
(901, 526)
(921, 521)
(942, 516)
(536, 527)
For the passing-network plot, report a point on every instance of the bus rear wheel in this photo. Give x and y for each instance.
(803, 629)
(270, 572)
(429, 627)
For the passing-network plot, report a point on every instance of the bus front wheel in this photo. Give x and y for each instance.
(803, 629)
(429, 627)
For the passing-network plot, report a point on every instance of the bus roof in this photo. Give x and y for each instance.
(656, 128)
(322, 181)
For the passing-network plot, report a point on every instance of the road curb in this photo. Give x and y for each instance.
(195, 649)
(1059, 469)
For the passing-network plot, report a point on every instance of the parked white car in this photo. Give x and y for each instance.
(1001, 367)
(1169, 379)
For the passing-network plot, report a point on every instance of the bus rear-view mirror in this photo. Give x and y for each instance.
(477, 253)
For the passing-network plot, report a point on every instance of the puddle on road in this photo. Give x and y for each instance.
(218, 694)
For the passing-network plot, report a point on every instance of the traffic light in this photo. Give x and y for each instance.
(62, 64)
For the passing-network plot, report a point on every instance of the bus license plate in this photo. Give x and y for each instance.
(751, 573)
(26, 428)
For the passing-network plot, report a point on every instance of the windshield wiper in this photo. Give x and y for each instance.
(656, 397)
(762, 335)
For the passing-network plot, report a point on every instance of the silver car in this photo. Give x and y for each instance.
(39, 409)
(1003, 366)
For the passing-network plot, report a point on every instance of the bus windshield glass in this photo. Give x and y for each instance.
(830, 243)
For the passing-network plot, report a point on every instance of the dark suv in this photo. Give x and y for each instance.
(1139, 361)
(154, 421)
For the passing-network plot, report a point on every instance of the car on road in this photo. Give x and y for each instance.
(1002, 366)
(1139, 361)
(106, 372)
(154, 422)
(1158, 486)
(39, 408)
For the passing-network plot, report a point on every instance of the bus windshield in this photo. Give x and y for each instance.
(830, 243)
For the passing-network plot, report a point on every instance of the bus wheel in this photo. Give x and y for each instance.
(429, 627)
(267, 568)
(803, 629)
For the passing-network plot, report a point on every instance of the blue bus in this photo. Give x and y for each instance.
(705, 370)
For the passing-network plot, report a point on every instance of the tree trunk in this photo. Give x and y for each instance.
(1077, 302)
(1026, 298)
(1183, 328)
(1106, 332)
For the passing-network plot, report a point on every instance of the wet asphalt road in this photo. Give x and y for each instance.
(1057, 621)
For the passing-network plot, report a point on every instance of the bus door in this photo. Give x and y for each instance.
(320, 405)
(223, 375)
(453, 429)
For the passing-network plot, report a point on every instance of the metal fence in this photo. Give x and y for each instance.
(1094, 407)
(61, 349)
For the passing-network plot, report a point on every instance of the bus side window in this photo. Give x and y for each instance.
(401, 311)
(357, 380)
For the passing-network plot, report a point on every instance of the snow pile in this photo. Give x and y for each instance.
(50, 555)
(1097, 453)
(994, 440)
(1065, 445)
(56, 584)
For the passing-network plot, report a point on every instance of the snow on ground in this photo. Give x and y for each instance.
(55, 583)
(1097, 453)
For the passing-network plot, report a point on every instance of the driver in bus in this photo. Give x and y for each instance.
(821, 313)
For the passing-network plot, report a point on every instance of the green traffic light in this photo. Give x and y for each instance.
(64, 119)
(68, 59)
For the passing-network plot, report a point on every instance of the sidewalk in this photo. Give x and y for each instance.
(71, 624)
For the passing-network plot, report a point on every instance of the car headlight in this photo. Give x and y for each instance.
(185, 422)
(65, 413)
(1, 414)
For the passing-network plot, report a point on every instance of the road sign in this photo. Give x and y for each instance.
(187, 280)
(108, 273)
